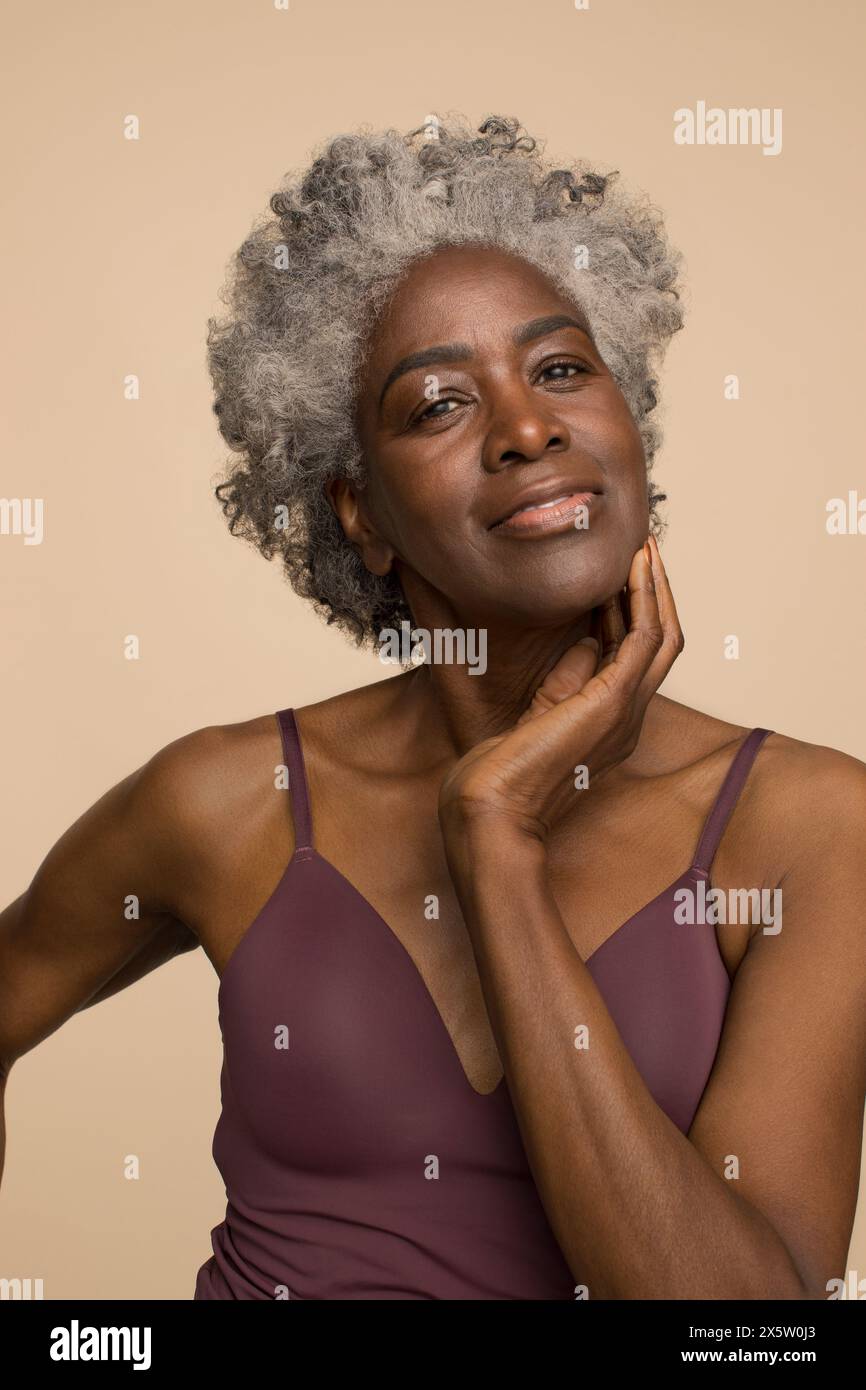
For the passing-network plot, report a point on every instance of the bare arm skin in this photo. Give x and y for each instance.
(66, 943)
(639, 1209)
(199, 834)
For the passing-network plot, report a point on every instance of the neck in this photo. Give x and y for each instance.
(459, 705)
(480, 675)
(454, 712)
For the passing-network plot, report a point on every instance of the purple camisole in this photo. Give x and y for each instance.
(358, 1160)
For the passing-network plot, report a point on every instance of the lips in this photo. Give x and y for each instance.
(554, 504)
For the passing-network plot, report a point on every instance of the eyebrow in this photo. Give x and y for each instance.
(458, 352)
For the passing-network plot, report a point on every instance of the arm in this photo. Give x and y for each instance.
(639, 1209)
(68, 942)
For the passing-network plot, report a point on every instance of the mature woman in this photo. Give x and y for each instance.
(509, 1005)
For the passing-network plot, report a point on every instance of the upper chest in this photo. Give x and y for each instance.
(604, 865)
(381, 834)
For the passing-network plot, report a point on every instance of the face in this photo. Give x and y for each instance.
(506, 478)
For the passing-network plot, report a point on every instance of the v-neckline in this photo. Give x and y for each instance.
(308, 853)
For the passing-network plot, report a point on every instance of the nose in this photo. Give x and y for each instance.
(522, 430)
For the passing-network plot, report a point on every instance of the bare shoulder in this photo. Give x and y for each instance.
(787, 775)
(361, 730)
(813, 798)
(210, 773)
(212, 803)
(817, 791)
(801, 827)
(801, 803)
(205, 807)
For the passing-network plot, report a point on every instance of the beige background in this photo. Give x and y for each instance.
(113, 256)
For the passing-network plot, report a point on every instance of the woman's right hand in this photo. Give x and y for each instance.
(588, 713)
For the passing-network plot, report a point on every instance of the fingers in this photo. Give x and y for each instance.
(673, 641)
(569, 675)
(642, 599)
(667, 607)
(612, 629)
(627, 663)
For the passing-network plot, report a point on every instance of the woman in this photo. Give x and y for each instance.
(485, 1034)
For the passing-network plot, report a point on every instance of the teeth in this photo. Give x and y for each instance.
(541, 506)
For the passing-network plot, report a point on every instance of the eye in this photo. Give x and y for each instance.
(428, 415)
(565, 364)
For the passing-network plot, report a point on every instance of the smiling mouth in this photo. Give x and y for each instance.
(542, 518)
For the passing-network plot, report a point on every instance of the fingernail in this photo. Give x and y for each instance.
(588, 642)
(648, 554)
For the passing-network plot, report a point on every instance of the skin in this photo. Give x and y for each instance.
(468, 776)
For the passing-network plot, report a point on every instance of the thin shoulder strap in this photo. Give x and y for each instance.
(727, 799)
(294, 757)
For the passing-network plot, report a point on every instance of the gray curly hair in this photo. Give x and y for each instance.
(308, 284)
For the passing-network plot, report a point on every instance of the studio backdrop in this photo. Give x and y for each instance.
(140, 143)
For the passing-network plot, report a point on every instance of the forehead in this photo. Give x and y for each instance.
(452, 290)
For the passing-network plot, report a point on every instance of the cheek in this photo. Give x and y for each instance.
(623, 442)
(422, 514)
(629, 513)
(623, 456)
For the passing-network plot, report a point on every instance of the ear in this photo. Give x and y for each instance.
(349, 506)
